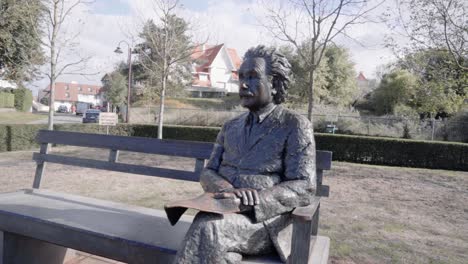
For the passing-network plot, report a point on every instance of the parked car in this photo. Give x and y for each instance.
(91, 116)
(62, 109)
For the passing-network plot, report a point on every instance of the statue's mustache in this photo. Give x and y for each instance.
(246, 94)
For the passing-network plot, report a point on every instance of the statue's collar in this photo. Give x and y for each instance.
(264, 112)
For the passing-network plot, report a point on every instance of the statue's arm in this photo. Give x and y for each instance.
(299, 182)
(210, 179)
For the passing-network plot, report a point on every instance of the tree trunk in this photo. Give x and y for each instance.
(50, 123)
(53, 65)
(161, 108)
(311, 95)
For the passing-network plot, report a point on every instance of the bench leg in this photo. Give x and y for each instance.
(17, 249)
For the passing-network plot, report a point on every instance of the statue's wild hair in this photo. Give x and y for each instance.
(277, 67)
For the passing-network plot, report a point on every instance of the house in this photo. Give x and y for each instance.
(214, 71)
(7, 84)
(365, 85)
(70, 93)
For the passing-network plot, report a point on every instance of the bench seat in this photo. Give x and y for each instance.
(113, 230)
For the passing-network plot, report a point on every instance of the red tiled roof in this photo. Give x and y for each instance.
(205, 57)
(73, 90)
(234, 75)
(234, 57)
(361, 77)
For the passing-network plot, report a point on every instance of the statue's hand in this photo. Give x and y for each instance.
(245, 195)
(248, 196)
(225, 195)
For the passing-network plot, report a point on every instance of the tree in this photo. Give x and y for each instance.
(59, 44)
(341, 85)
(310, 26)
(432, 24)
(335, 78)
(165, 52)
(442, 83)
(396, 88)
(20, 46)
(298, 90)
(115, 87)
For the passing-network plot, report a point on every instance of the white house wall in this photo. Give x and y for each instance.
(7, 84)
(220, 72)
(88, 98)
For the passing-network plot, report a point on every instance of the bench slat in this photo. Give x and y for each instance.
(180, 148)
(120, 167)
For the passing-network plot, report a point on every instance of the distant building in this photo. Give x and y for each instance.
(214, 71)
(362, 80)
(70, 93)
(7, 84)
(365, 85)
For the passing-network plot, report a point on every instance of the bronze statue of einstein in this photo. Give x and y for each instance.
(265, 158)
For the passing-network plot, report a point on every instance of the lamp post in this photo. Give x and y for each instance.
(119, 51)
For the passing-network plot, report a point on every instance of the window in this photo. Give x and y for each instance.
(90, 89)
(67, 95)
(203, 77)
(79, 88)
(67, 88)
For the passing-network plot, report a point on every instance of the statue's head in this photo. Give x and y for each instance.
(263, 77)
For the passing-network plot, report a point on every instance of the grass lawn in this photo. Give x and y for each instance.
(375, 214)
(19, 117)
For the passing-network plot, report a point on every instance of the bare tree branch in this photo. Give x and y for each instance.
(324, 20)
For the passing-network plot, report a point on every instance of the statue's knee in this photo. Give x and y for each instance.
(207, 220)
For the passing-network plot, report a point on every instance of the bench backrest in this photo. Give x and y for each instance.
(200, 151)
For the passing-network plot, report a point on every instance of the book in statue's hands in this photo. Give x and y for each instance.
(207, 202)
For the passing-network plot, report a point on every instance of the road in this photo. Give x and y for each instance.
(59, 118)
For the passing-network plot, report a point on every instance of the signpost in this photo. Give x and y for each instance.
(108, 119)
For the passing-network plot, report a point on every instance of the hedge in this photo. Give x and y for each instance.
(395, 152)
(7, 100)
(368, 150)
(23, 99)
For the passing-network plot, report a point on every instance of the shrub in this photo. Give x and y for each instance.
(368, 150)
(7, 100)
(21, 137)
(4, 138)
(395, 152)
(23, 99)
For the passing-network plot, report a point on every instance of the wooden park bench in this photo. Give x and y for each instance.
(37, 226)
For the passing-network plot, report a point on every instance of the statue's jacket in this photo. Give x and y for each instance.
(278, 160)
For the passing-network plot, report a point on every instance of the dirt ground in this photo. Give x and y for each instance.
(374, 214)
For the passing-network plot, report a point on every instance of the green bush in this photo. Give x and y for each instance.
(4, 138)
(23, 99)
(368, 150)
(7, 100)
(395, 152)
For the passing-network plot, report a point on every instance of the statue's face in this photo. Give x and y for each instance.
(254, 86)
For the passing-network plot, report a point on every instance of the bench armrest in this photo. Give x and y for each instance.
(306, 213)
(305, 225)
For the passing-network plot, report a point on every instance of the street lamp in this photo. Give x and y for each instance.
(119, 51)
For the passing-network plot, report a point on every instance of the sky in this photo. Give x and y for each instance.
(104, 24)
